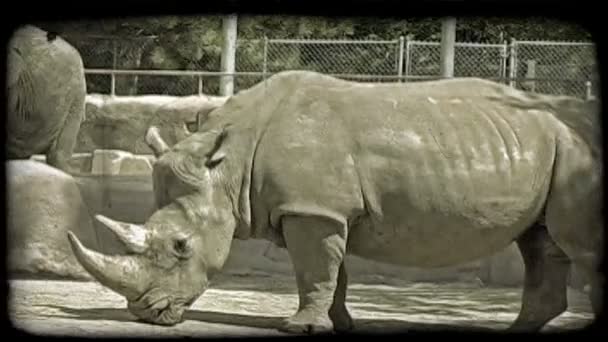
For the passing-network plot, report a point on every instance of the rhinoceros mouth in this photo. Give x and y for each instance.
(163, 311)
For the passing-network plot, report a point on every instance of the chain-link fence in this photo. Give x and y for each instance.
(338, 57)
(101, 53)
(250, 57)
(546, 67)
(470, 60)
(562, 68)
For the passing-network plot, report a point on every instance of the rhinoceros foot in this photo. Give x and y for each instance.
(343, 322)
(308, 322)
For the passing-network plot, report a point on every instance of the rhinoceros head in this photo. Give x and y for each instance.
(175, 253)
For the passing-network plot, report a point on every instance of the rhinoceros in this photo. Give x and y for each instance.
(46, 96)
(426, 174)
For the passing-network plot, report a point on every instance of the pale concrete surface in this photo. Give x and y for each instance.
(117, 162)
(253, 305)
(120, 122)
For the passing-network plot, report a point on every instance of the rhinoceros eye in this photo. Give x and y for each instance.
(182, 248)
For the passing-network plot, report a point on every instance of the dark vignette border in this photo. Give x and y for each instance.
(587, 13)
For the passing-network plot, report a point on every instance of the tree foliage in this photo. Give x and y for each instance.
(194, 43)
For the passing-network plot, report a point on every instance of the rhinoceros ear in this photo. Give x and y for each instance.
(156, 142)
(216, 156)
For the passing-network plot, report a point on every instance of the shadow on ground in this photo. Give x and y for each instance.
(90, 314)
(257, 305)
(373, 326)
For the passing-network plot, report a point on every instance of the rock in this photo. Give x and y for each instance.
(120, 122)
(577, 279)
(505, 268)
(251, 255)
(116, 162)
(261, 255)
(107, 162)
(587, 289)
(44, 203)
(136, 165)
(124, 198)
(80, 162)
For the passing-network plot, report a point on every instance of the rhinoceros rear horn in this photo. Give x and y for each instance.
(124, 274)
(156, 142)
(134, 237)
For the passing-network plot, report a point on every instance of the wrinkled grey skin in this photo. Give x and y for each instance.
(46, 96)
(425, 174)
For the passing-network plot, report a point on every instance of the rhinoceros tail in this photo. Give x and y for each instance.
(51, 36)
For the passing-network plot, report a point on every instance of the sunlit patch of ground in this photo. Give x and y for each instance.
(255, 305)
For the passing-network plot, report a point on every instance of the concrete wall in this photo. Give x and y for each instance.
(120, 122)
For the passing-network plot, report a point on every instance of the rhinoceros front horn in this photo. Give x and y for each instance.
(134, 237)
(156, 142)
(124, 274)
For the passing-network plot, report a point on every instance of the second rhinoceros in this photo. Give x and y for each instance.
(46, 90)
(423, 174)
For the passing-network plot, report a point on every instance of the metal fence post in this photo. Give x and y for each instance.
(114, 53)
(448, 42)
(113, 84)
(512, 63)
(588, 93)
(114, 61)
(229, 35)
(401, 51)
(265, 62)
(407, 58)
(200, 85)
(504, 61)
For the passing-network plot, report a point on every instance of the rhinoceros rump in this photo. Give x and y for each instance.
(46, 90)
(422, 174)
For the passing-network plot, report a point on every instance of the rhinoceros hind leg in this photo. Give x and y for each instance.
(545, 281)
(61, 150)
(338, 312)
(596, 296)
(316, 246)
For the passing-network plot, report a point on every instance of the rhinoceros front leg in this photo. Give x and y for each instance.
(545, 280)
(316, 246)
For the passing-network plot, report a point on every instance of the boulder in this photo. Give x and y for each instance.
(121, 122)
(79, 162)
(43, 203)
(504, 268)
(116, 162)
(107, 162)
(125, 198)
(260, 256)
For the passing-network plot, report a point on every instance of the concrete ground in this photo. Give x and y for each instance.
(253, 305)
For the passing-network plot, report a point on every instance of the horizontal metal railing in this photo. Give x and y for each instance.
(362, 77)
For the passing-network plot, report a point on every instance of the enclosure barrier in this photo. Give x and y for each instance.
(561, 68)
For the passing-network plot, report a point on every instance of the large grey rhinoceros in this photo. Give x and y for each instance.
(423, 174)
(46, 91)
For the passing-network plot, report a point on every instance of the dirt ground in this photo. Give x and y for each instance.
(253, 305)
